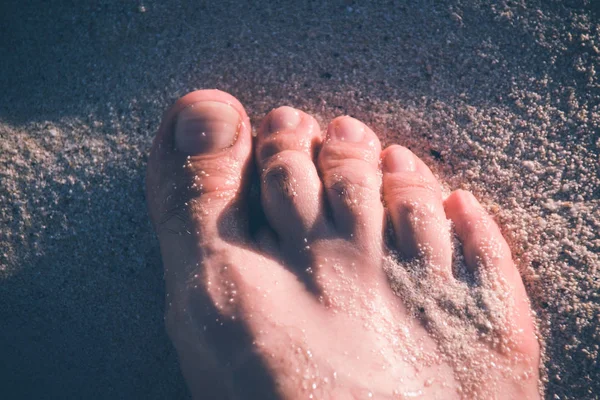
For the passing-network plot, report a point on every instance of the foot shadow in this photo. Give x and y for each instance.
(75, 323)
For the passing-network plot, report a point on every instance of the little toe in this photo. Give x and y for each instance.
(196, 165)
(484, 247)
(349, 165)
(413, 197)
(488, 255)
(290, 184)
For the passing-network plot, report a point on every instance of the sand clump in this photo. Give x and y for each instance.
(500, 98)
(470, 319)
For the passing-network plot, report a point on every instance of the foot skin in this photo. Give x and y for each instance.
(304, 294)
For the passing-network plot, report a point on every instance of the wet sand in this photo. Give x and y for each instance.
(500, 99)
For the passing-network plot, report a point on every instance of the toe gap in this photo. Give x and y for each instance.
(460, 268)
(257, 219)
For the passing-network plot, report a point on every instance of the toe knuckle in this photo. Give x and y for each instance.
(414, 188)
(352, 186)
(420, 215)
(415, 204)
(343, 189)
(269, 148)
(284, 144)
(349, 155)
(359, 176)
(278, 180)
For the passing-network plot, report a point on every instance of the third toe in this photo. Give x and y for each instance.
(349, 166)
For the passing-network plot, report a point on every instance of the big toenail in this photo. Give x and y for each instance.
(348, 129)
(282, 119)
(399, 159)
(205, 127)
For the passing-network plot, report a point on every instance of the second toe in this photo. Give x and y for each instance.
(290, 185)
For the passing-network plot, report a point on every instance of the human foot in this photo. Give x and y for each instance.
(311, 301)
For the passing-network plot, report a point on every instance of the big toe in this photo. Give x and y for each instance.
(196, 167)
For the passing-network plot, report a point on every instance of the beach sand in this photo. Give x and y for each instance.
(500, 97)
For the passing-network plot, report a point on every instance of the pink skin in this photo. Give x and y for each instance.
(297, 304)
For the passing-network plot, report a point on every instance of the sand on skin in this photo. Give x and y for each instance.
(500, 98)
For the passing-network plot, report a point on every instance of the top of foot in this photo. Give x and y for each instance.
(296, 290)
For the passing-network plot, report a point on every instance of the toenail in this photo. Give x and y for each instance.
(282, 119)
(348, 129)
(205, 127)
(399, 159)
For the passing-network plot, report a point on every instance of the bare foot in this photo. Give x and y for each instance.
(311, 301)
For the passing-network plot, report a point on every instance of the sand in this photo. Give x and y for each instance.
(499, 97)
